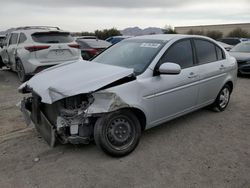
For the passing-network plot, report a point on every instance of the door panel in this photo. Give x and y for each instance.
(211, 69)
(12, 49)
(211, 78)
(4, 53)
(175, 94)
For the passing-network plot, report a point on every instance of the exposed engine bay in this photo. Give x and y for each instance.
(72, 119)
(65, 119)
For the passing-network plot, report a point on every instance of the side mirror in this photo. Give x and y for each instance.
(169, 68)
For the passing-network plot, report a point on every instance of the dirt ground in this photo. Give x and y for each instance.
(202, 149)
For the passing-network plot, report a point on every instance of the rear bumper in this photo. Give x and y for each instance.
(33, 66)
(244, 69)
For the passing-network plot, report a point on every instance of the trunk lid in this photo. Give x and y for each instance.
(58, 50)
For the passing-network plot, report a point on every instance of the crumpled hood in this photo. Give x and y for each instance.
(75, 78)
(239, 56)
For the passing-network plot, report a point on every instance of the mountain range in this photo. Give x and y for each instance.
(136, 31)
(130, 31)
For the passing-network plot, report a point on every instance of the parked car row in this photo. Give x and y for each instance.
(137, 84)
(242, 54)
(233, 40)
(29, 50)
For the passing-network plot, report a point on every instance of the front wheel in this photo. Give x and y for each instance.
(21, 71)
(222, 99)
(117, 133)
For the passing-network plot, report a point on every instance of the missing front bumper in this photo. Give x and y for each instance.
(42, 124)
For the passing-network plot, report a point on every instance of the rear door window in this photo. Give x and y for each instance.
(13, 38)
(206, 51)
(180, 53)
(52, 37)
(22, 38)
(220, 53)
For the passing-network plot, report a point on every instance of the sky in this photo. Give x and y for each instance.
(90, 15)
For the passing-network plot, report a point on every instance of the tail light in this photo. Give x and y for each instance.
(93, 51)
(36, 48)
(74, 46)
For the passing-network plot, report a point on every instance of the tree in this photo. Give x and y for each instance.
(106, 33)
(214, 34)
(169, 30)
(238, 32)
(195, 32)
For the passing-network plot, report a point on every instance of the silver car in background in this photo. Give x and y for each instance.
(241, 52)
(29, 50)
(134, 85)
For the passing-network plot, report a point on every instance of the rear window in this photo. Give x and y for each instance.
(206, 51)
(242, 47)
(52, 37)
(93, 43)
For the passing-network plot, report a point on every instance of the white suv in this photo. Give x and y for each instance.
(29, 50)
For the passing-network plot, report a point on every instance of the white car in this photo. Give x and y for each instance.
(29, 50)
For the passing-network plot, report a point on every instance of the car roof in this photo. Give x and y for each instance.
(32, 31)
(166, 37)
(120, 36)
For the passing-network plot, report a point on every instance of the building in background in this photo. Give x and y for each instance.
(224, 28)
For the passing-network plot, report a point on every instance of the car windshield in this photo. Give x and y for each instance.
(136, 54)
(230, 41)
(242, 47)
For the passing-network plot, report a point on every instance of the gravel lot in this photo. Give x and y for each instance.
(202, 149)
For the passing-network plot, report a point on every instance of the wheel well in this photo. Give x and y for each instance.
(230, 84)
(141, 117)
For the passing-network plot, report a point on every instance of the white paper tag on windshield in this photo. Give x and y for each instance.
(150, 45)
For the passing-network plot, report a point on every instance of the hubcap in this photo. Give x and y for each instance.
(224, 97)
(120, 133)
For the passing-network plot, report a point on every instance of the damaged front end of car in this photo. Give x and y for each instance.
(69, 120)
(65, 108)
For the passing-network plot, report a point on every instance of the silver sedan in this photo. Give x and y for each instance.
(134, 85)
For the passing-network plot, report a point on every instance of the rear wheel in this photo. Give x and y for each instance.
(21, 71)
(1, 63)
(117, 133)
(222, 99)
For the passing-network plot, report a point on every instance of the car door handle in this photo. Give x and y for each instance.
(192, 75)
(222, 67)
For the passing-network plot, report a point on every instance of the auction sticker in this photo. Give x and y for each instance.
(150, 45)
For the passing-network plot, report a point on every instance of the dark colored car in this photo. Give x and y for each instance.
(242, 54)
(116, 39)
(92, 47)
(233, 40)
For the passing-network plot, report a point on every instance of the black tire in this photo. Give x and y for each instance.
(1, 63)
(21, 71)
(117, 133)
(222, 99)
